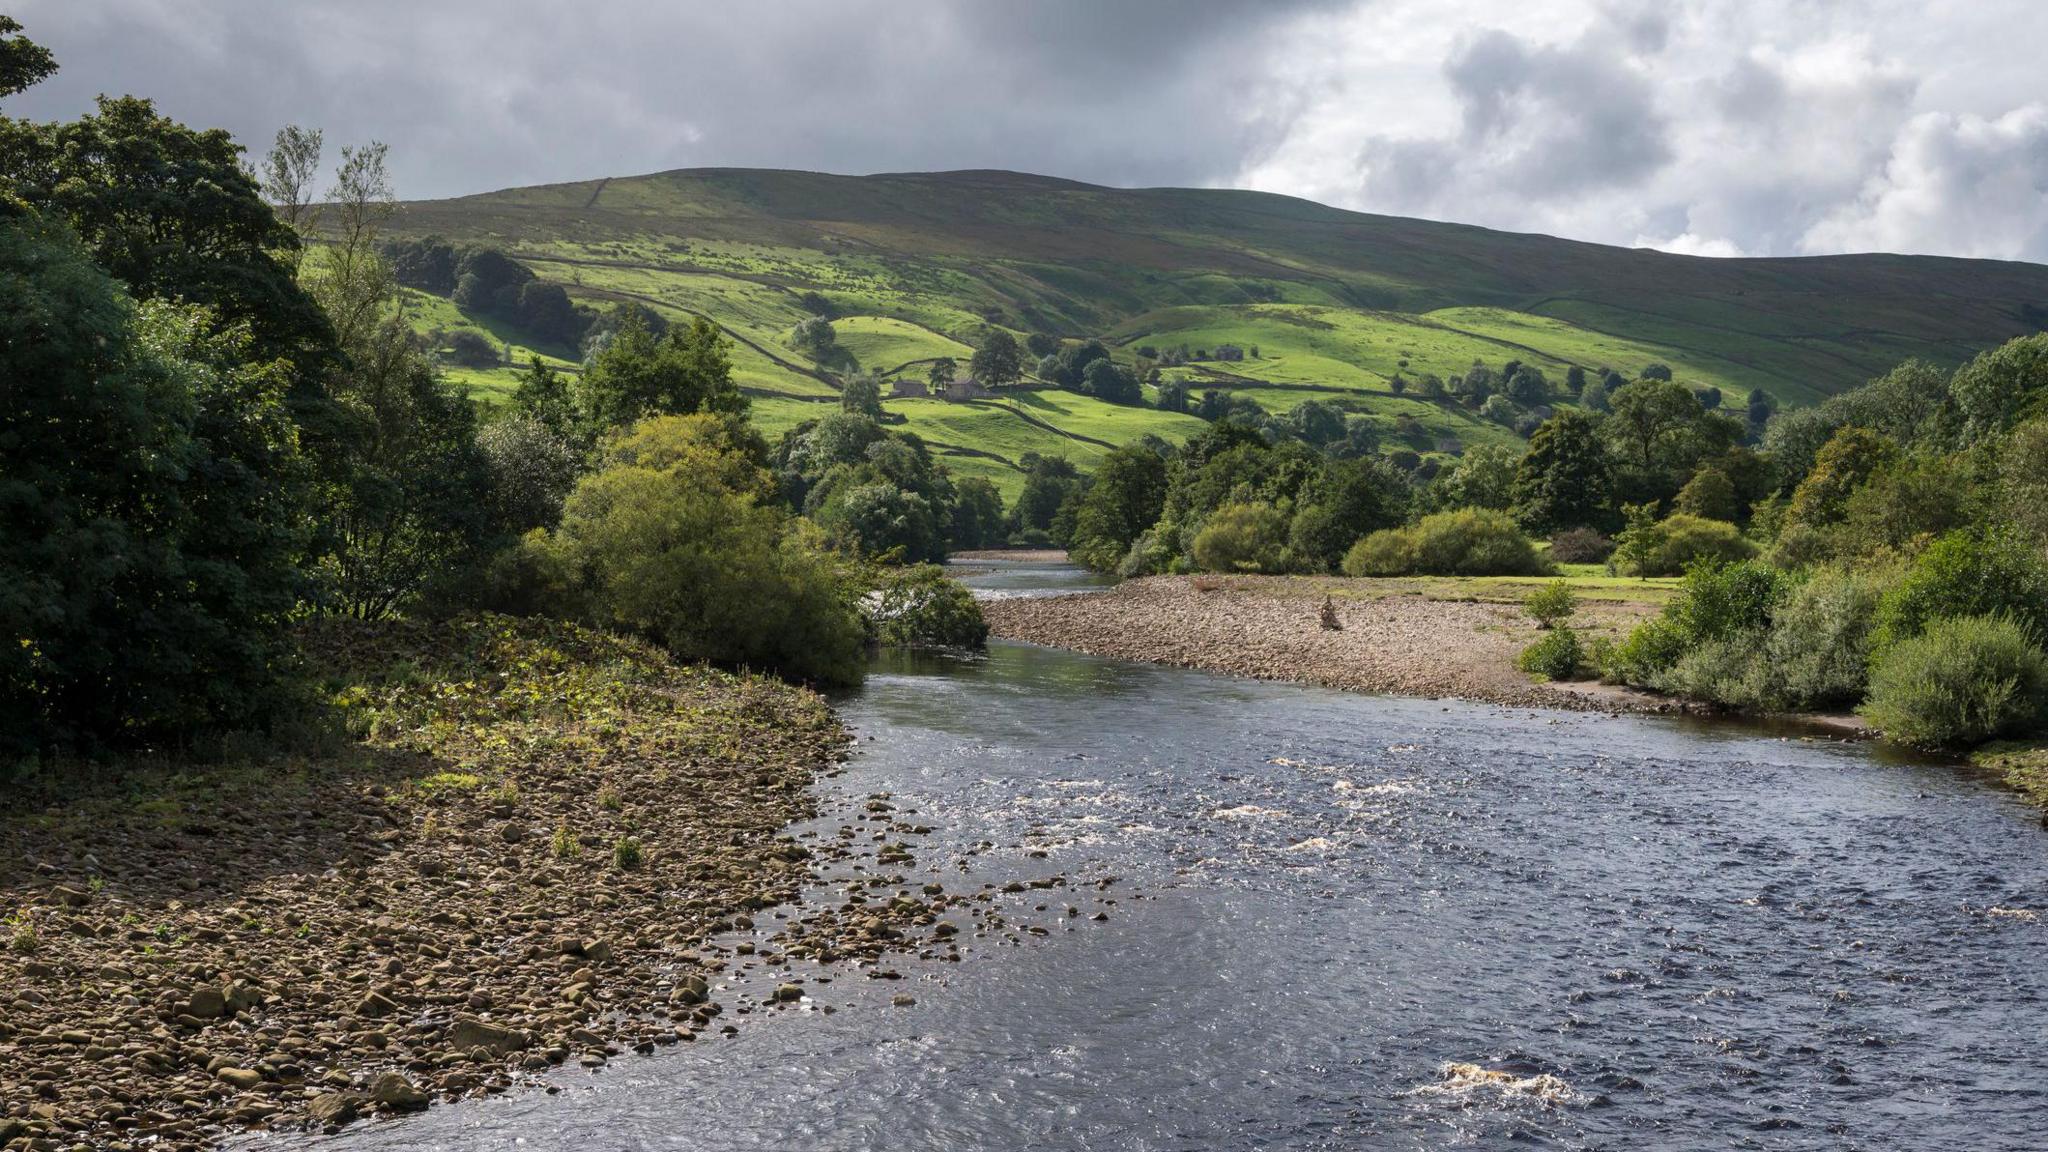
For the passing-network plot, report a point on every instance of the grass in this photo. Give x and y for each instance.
(2021, 764)
(920, 266)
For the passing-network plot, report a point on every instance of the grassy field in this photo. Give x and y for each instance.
(1337, 303)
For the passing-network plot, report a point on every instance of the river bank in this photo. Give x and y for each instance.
(1418, 637)
(522, 855)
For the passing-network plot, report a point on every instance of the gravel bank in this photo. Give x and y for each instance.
(536, 849)
(1270, 627)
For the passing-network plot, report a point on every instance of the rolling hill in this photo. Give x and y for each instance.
(1334, 303)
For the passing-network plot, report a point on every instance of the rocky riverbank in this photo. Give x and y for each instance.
(530, 849)
(1394, 638)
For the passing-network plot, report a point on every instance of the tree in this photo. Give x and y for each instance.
(1317, 421)
(1498, 409)
(1709, 495)
(1047, 481)
(1843, 465)
(1564, 481)
(940, 375)
(151, 520)
(542, 395)
(977, 513)
(288, 174)
(637, 375)
(1656, 371)
(1659, 434)
(23, 62)
(1041, 345)
(2000, 387)
(998, 361)
(172, 214)
(1527, 387)
(815, 337)
(1483, 478)
(1347, 500)
(1575, 380)
(1126, 498)
(1173, 396)
(862, 395)
(1640, 541)
(1105, 381)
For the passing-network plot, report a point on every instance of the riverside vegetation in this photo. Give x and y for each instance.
(322, 682)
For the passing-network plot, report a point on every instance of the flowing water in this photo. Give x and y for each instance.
(1340, 921)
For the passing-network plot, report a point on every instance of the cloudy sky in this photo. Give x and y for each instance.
(1722, 127)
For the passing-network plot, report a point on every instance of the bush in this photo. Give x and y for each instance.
(674, 545)
(1467, 542)
(1728, 604)
(1580, 546)
(1961, 681)
(1242, 538)
(1551, 604)
(1971, 572)
(1556, 656)
(472, 349)
(1681, 541)
(920, 606)
(1818, 652)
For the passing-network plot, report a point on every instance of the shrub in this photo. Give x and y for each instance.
(921, 606)
(1556, 656)
(1580, 546)
(1719, 603)
(1551, 604)
(472, 349)
(1467, 542)
(1970, 572)
(627, 854)
(1709, 495)
(1818, 652)
(1681, 541)
(1652, 649)
(664, 545)
(1962, 680)
(1242, 538)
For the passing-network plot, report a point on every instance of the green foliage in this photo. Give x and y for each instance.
(920, 606)
(676, 546)
(148, 511)
(1048, 481)
(1904, 504)
(1844, 463)
(1467, 542)
(2000, 387)
(1679, 542)
(627, 854)
(1127, 496)
(1718, 617)
(1242, 538)
(1551, 604)
(862, 396)
(1659, 434)
(1564, 481)
(997, 361)
(1709, 495)
(1640, 539)
(1557, 655)
(1817, 654)
(23, 62)
(638, 375)
(1961, 681)
(1105, 380)
(542, 395)
(977, 514)
(532, 469)
(1970, 572)
(2023, 478)
(1484, 477)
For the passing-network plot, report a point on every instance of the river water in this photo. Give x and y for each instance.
(1648, 934)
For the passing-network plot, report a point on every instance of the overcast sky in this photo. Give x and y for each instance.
(1757, 127)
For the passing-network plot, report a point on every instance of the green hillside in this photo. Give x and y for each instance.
(1336, 303)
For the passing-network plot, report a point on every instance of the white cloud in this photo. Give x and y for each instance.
(1961, 185)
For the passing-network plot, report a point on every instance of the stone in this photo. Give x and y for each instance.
(394, 1091)
(788, 992)
(334, 1108)
(376, 1005)
(597, 951)
(240, 1077)
(469, 1032)
(75, 897)
(207, 1004)
(902, 1000)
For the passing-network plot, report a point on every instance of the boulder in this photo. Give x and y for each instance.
(470, 1032)
(334, 1109)
(240, 1077)
(394, 1091)
(207, 1004)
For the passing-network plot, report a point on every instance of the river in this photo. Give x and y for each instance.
(1658, 933)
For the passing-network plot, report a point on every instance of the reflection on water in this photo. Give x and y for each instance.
(1341, 921)
(1002, 579)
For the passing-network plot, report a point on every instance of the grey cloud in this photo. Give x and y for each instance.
(475, 94)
